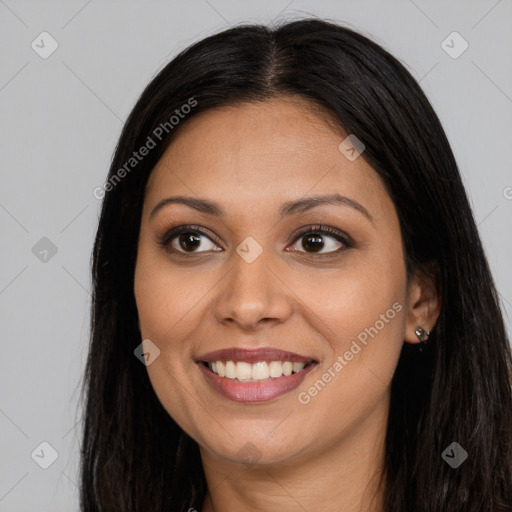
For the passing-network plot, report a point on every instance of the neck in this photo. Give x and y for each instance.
(343, 477)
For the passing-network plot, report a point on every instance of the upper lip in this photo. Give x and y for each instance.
(253, 355)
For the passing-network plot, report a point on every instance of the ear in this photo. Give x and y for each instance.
(423, 301)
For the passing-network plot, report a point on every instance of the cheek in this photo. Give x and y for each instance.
(166, 300)
(165, 304)
(164, 310)
(361, 315)
(363, 329)
(356, 297)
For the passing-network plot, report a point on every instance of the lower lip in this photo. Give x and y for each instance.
(254, 392)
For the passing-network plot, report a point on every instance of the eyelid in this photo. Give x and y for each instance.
(339, 235)
(175, 230)
(321, 228)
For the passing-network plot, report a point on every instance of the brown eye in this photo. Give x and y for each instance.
(189, 241)
(313, 243)
(318, 238)
(183, 240)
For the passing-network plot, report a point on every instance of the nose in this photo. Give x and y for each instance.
(252, 296)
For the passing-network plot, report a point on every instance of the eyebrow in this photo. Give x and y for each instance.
(287, 209)
(308, 203)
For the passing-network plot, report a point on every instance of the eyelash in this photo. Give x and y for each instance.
(172, 233)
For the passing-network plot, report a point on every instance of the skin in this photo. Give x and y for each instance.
(250, 159)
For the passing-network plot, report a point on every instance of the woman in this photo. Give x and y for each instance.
(292, 308)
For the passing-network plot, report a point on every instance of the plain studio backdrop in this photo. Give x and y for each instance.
(70, 73)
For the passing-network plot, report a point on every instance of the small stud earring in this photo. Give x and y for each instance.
(422, 335)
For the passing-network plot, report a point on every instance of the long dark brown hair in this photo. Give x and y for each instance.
(134, 457)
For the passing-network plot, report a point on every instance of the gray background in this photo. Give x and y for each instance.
(60, 120)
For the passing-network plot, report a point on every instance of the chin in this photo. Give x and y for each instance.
(257, 450)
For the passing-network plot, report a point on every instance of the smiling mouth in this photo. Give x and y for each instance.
(261, 371)
(254, 375)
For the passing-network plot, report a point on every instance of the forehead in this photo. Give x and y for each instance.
(253, 152)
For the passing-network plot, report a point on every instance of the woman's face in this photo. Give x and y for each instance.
(256, 277)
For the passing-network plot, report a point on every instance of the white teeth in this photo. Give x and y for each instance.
(261, 370)
(230, 370)
(275, 369)
(297, 367)
(243, 370)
